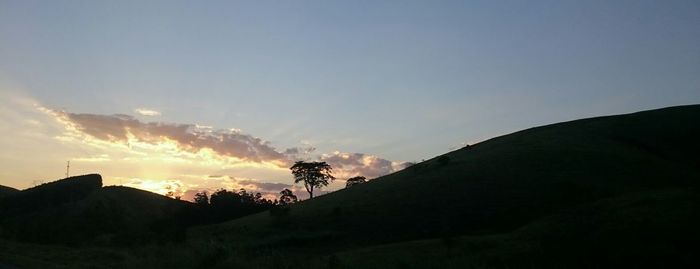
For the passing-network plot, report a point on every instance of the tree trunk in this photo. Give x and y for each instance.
(309, 189)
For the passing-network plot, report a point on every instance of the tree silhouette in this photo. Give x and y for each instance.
(355, 180)
(225, 204)
(287, 197)
(313, 174)
(201, 198)
(223, 198)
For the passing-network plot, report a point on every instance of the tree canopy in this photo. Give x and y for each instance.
(201, 198)
(355, 180)
(313, 174)
(287, 197)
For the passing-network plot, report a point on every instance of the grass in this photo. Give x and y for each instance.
(24, 255)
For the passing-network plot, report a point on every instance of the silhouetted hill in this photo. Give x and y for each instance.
(109, 215)
(6, 191)
(608, 192)
(507, 183)
(50, 194)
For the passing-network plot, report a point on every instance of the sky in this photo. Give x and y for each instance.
(186, 96)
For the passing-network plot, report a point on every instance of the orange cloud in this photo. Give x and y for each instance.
(203, 146)
(359, 164)
(125, 129)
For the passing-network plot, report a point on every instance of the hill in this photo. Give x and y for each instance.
(614, 191)
(550, 175)
(79, 211)
(50, 194)
(6, 191)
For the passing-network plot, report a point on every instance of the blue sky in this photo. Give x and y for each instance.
(402, 80)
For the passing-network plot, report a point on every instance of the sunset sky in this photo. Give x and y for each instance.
(188, 95)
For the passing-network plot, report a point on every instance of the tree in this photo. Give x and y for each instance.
(223, 198)
(287, 197)
(355, 180)
(313, 174)
(201, 198)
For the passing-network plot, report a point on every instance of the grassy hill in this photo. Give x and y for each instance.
(547, 175)
(615, 191)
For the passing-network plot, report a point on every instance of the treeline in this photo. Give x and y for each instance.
(223, 205)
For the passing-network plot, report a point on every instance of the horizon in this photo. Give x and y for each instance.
(189, 195)
(226, 95)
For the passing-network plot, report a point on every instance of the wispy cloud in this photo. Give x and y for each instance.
(300, 153)
(146, 112)
(359, 164)
(126, 129)
(99, 158)
(205, 145)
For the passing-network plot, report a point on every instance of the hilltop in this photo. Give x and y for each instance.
(50, 194)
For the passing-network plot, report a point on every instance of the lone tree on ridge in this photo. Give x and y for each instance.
(313, 174)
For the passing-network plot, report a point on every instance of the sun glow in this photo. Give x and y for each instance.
(154, 156)
(162, 187)
(155, 163)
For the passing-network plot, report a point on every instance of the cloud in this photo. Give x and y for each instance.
(265, 186)
(300, 153)
(249, 184)
(188, 137)
(347, 165)
(99, 158)
(146, 112)
(220, 148)
(124, 147)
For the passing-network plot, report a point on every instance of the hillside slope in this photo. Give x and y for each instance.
(5, 191)
(495, 186)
